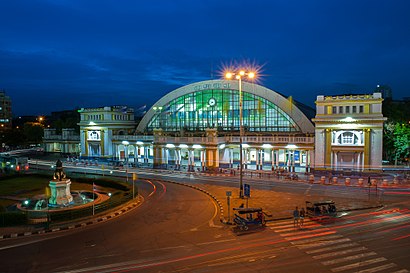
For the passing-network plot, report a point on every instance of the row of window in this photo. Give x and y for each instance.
(114, 117)
(347, 109)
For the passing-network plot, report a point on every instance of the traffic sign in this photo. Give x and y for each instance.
(247, 190)
(134, 176)
(228, 193)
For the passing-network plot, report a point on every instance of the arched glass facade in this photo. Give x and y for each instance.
(219, 108)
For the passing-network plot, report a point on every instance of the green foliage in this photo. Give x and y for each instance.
(396, 141)
(14, 137)
(33, 132)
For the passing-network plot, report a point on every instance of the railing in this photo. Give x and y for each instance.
(60, 137)
(133, 137)
(270, 139)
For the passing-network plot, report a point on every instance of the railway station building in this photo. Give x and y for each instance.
(197, 127)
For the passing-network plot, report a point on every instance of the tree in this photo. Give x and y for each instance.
(396, 141)
(33, 132)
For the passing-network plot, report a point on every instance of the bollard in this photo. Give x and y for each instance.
(322, 180)
(385, 183)
(334, 180)
(347, 181)
(311, 178)
(360, 182)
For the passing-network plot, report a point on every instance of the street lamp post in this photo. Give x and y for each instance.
(126, 143)
(238, 76)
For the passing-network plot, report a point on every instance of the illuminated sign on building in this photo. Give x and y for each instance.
(93, 135)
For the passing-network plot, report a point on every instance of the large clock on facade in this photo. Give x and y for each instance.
(212, 102)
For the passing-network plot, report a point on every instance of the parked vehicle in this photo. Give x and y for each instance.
(13, 164)
(249, 217)
(321, 209)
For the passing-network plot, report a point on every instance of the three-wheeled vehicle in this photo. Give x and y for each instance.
(321, 209)
(249, 217)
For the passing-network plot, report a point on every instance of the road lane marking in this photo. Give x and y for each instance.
(339, 253)
(349, 258)
(359, 264)
(216, 242)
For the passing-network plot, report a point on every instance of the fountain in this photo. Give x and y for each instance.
(60, 188)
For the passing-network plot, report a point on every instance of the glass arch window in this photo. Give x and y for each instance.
(219, 108)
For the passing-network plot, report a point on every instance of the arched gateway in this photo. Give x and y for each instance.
(197, 126)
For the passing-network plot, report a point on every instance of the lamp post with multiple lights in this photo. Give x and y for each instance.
(239, 75)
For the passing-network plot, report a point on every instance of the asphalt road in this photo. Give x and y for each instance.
(176, 229)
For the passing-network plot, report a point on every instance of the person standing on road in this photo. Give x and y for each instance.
(296, 217)
(301, 217)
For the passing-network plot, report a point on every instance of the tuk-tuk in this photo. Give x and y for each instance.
(321, 209)
(249, 217)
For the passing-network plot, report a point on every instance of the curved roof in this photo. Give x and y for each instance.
(305, 125)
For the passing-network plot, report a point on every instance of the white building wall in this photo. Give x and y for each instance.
(376, 148)
(319, 155)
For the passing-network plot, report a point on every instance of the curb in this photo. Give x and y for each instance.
(221, 209)
(100, 219)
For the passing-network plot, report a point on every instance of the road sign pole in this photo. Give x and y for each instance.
(228, 202)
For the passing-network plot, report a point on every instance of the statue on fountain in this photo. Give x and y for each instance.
(60, 188)
(59, 173)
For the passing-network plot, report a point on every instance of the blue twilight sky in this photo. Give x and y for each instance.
(62, 54)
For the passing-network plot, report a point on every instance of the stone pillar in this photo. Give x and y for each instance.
(212, 156)
(177, 157)
(166, 156)
(158, 156)
(203, 160)
(367, 144)
(336, 165)
(307, 161)
(246, 155)
(288, 164)
(328, 146)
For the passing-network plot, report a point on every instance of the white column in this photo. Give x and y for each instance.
(336, 161)
(231, 157)
(257, 158)
(272, 158)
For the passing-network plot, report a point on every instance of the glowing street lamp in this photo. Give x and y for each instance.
(239, 75)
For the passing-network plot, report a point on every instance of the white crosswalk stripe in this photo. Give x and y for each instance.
(358, 264)
(339, 253)
(349, 258)
(332, 249)
(327, 249)
(316, 239)
(378, 268)
(324, 243)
